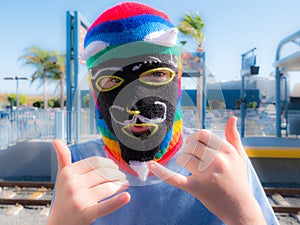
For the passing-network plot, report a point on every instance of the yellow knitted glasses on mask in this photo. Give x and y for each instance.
(156, 76)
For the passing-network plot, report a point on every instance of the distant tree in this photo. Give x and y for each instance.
(192, 26)
(252, 105)
(46, 64)
(56, 103)
(39, 104)
(51, 103)
(13, 98)
(86, 101)
(59, 75)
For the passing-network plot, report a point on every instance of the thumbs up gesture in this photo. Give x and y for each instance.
(219, 177)
(83, 188)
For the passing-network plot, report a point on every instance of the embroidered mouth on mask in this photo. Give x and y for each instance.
(139, 126)
(137, 116)
(140, 131)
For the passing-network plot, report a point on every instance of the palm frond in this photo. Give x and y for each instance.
(45, 68)
(192, 25)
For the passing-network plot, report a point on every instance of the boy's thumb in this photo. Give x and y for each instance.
(232, 134)
(63, 154)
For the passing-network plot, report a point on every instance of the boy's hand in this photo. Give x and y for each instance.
(83, 188)
(219, 177)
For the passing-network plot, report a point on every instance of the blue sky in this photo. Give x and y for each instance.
(232, 27)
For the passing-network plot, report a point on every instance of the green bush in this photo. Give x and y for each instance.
(40, 103)
(252, 105)
(13, 98)
(86, 101)
(51, 103)
(56, 103)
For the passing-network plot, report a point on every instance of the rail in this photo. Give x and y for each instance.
(281, 203)
(24, 194)
(47, 187)
(39, 124)
(30, 124)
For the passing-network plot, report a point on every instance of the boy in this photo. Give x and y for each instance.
(135, 76)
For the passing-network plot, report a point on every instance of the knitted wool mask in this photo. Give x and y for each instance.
(133, 64)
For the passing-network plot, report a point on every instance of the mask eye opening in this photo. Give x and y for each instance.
(148, 77)
(108, 83)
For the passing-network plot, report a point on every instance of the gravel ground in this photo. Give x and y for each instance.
(285, 219)
(27, 216)
(31, 216)
(293, 200)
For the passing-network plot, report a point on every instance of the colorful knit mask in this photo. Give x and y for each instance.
(133, 60)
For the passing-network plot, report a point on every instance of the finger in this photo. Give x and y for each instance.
(198, 149)
(195, 165)
(102, 175)
(103, 191)
(193, 147)
(168, 176)
(108, 206)
(203, 153)
(233, 136)
(92, 163)
(63, 154)
(207, 138)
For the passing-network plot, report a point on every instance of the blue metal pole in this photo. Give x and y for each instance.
(242, 97)
(203, 91)
(76, 56)
(74, 21)
(245, 71)
(286, 105)
(243, 106)
(278, 103)
(69, 84)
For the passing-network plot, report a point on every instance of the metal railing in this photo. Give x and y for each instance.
(293, 122)
(257, 123)
(39, 124)
(51, 124)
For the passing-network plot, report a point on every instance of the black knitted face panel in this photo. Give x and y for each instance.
(126, 98)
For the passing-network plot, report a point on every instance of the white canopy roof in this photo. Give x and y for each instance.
(295, 91)
(289, 63)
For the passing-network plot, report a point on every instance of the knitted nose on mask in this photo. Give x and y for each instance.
(133, 60)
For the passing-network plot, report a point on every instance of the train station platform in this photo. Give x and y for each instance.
(276, 160)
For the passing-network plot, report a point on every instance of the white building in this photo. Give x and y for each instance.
(266, 86)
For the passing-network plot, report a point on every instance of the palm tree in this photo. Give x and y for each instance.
(45, 64)
(58, 74)
(192, 26)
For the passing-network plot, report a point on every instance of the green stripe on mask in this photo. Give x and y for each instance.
(130, 50)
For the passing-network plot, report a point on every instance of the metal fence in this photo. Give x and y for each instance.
(22, 125)
(257, 122)
(39, 124)
(293, 122)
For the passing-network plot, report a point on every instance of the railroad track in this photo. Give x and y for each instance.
(20, 194)
(25, 195)
(285, 201)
